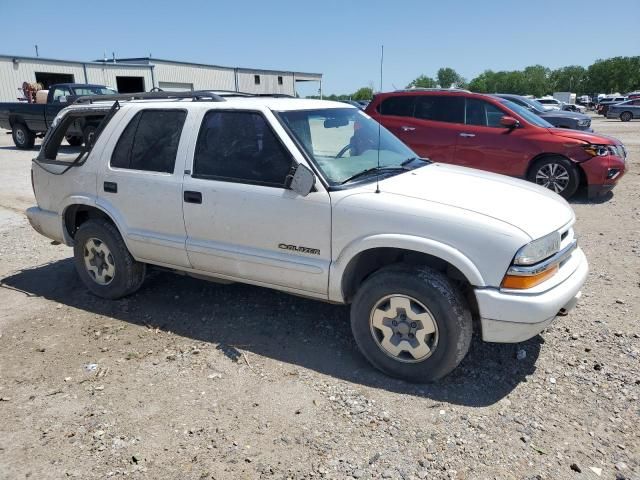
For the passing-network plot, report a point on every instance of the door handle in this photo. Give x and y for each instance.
(467, 134)
(111, 187)
(407, 129)
(192, 197)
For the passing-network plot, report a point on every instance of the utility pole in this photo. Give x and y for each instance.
(37, 54)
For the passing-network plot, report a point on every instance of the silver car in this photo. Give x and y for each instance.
(625, 111)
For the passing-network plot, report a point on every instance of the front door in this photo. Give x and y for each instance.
(241, 220)
(141, 186)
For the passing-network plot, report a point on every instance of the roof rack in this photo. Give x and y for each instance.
(233, 93)
(423, 89)
(198, 95)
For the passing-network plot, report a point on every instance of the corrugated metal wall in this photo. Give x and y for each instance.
(13, 74)
(106, 74)
(202, 78)
(268, 82)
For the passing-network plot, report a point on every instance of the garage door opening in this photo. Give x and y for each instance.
(130, 84)
(46, 79)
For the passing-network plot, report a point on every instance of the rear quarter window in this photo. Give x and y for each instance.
(400, 106)
(150, 141)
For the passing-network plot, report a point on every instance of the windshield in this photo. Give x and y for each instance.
(527, 114)
(343, 142)
(95, 90)
(536, 105)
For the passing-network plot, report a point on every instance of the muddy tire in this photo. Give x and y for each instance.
(103, 262)
(411, 323)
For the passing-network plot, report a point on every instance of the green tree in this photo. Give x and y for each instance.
(422, 82)
(536, 78)
(568, 79)
(448, 77)
(364, 93)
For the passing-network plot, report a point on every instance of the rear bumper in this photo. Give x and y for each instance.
(508, 317)
(46, 223)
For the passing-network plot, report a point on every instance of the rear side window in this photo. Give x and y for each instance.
(401, 106)
(483, 113)
(448, 108)
(150, 141)
(240, 147)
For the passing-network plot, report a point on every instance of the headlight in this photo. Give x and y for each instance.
(584, 123)
(538, 250)
(600, 150)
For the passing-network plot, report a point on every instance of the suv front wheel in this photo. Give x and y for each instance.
(103, 262)
(411, 323)
(556, 173)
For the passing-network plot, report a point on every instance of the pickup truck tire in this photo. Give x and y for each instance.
(74, 140)
(556, 173)
(103, 262)
(411, 323)
(23, 138)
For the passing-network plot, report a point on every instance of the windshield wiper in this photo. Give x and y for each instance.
(375, 169)
(413, 159)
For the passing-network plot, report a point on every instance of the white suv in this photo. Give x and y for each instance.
(316, 199)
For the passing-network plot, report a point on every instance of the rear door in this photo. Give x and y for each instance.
(395, 113)
(141, 183)
(439, 119)
(485, 144)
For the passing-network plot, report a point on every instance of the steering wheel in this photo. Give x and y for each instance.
(343, 150)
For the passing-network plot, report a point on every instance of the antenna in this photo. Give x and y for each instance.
(378, 172)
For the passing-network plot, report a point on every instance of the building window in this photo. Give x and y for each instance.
(279, 80)
(256, 79)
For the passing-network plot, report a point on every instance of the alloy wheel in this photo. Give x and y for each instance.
(403, 328)
(553, 176)
(21, 137)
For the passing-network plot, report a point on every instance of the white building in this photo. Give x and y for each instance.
(129, 75)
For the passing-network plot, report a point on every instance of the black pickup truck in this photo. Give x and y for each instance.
(30, 120)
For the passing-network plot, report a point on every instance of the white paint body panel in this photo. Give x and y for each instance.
(474, 220)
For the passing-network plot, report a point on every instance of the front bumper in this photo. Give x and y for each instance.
(509, 317)
(46, 223)
(603, 173)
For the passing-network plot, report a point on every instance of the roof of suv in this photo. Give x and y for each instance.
(272, 103)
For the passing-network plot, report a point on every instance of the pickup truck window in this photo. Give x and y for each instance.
(59, 93)
(150, 141)
(240, 147)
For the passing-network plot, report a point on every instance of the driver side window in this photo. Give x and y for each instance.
(238, 146)
(481, 113)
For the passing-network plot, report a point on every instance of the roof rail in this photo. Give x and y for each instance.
(423, 89)
(198, 95)
(233, 93)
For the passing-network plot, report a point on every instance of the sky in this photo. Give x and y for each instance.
(340, 39)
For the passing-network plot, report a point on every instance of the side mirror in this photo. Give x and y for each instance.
(509, 122)
(302, 181)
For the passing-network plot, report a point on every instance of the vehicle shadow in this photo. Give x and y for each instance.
(581, 198)
(297, 331)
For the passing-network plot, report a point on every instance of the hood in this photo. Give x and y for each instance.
(564, 114)
(533, 209)
(585, 136)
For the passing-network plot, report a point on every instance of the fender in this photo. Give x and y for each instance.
(406, 242)
(91, 202)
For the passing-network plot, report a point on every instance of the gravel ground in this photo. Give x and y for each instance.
(193, 380)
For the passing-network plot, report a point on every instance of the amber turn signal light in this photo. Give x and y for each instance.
(522, 282)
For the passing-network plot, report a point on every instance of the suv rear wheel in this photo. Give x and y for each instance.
(557, 174)
(411, 323)
(23, 138)
(103, 262)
